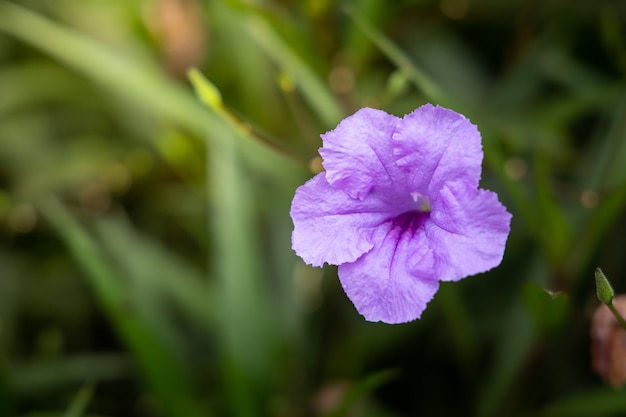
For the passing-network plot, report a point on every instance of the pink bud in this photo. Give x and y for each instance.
(608, 343)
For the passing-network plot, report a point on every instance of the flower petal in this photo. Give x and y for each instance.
(467, 232)
(332, 227)
(380, 284)
(358, 155)
(436, 145)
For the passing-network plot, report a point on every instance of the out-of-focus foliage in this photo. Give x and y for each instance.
(145, 265)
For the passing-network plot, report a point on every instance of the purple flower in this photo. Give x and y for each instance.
(398, 208)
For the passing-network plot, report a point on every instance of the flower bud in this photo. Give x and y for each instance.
(603, 287)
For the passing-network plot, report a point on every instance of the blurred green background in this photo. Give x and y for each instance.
(145, 264)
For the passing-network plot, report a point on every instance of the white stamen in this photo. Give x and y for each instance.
(421, 201)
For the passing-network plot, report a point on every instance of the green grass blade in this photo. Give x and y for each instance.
(158, 277)
(157, 364)
(360, 390)
(314, 90)
(596, 402)
(81, 400)
(419, 78)
(243, 306)
(137, 81)
(33, 377)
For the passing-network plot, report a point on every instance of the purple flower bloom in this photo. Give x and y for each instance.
(398, 208)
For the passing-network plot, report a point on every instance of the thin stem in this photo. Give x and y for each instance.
(617, 315)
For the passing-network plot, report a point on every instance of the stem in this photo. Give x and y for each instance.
(617, 315)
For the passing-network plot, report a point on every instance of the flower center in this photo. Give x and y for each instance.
(421, 202)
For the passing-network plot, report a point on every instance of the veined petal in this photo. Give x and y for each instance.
(467, 231)
(381, 284)
(435, 145)
(332, 227)
(358, 155)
